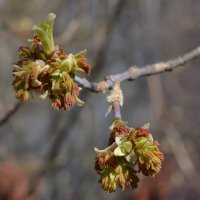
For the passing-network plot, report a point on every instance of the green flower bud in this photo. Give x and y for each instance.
(45, 33)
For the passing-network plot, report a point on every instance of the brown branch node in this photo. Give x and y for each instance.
(102, 86)
(133, 70)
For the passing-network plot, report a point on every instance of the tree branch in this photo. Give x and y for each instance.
(116, 109)
(115, 98)
(10, 113)
(134, 72)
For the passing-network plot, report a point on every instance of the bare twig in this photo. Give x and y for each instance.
(116, 100)
(10, 113)
(134, 72)
(116, 109)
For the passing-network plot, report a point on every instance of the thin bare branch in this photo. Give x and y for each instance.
(134, 72)
(73, 25)
(115, 98)
(116, 109)
(10, 113)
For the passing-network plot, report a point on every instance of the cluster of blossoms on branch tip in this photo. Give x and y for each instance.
(129, 152)
(48, 70)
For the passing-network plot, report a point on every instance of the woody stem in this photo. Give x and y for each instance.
(116, 109)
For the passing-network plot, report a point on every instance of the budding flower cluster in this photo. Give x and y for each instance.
(130, 152)
(48, 70)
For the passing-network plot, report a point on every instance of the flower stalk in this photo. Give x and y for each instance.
(129, 152)
(115, 98)
(116, 109)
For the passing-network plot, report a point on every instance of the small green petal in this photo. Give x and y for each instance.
(45, 33)
(119, 139)
(126, 147)
(44, 95)
(19, 73)
(36, 83)
(118, 151)
(79, 102)
(56, 73)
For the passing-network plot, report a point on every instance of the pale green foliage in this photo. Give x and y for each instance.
(45, 33)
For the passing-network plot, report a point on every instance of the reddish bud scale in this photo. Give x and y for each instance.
(141, 132)
(24, 51)
(82, 61)
(62, 54)
(103, 160)
(56, 104)
(69, 101)
(75, 90)
(118, 130)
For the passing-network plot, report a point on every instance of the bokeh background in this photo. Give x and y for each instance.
(49, 155)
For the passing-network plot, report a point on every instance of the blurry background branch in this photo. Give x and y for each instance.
(73, 25)
(167, 126)
(9, 113)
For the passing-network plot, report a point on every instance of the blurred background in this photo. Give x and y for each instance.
(49, 155)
